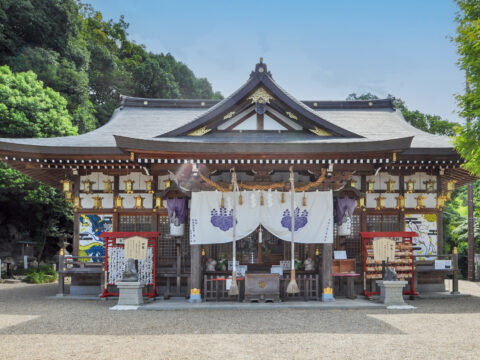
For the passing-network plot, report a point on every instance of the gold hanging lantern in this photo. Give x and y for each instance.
(158, 203)
(203, 251)
(77, 203)
(410, 186)
(139, 202)
(67, 185)
(400, 203)
(149, 186)
(370, 186)
(451, 185)
(68, 196)
(107, 189)
(88, 186)
(361, 204)
(168, 183)
(390, 186)
(380, 202)
(429, 186)
(118, 203)
(420, 202)
(441, 200)
(317, 251)
(97, 202)
(353, 183)
(129, 186)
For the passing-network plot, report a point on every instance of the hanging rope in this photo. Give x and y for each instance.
(279, 185)
(292, 287)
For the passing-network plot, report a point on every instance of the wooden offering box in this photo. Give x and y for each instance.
(343, 266)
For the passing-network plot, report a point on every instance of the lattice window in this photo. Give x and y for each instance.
(132, 223)
(383, 223)
(353, 242)
(167, 250)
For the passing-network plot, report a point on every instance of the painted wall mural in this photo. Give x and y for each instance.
(426, 226)
(91, 226)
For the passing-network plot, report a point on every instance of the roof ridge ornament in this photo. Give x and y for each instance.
(261, 96)
(261, 69)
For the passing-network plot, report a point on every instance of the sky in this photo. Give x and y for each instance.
(316, 50)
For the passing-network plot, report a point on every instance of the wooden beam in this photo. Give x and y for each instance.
(280, 121)
(239, 121)
(259, 121)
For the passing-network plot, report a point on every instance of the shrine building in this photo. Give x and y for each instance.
(201, 172)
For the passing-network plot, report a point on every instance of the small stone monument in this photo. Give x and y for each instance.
(130, 288)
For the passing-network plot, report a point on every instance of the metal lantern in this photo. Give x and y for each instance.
(441, 199)
(158, 203)
(167, 183)
(380, 202)
(129, 186)
(420, 202)
(107, 186)
(149, 186)
(118, 203)
(370, 186)
(429, 186)
(390, 185)
(87, 186)
(77, 203)
(400, 203)
(68, 196)
(67, 185)
(361, 204)
(451, 185)
(353, 183)
(97, 202)
(410, 186)
(139, 202)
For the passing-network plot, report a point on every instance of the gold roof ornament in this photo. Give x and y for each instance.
(291, 115)
(261, 94)
(200, 132)
(320, 132)
(229, 115)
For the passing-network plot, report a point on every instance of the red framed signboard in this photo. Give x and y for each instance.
(114, 242)
(403, 262)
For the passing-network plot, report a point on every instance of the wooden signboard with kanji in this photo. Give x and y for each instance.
(136, 248)
(384, 249)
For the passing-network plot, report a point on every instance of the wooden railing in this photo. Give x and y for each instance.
(69, 265)
(425, 266)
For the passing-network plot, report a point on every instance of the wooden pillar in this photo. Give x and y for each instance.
(439, 220)
(61, 277)
(401, 192)
(471, 237)
(76, 218)
(327, 275)
(116, 191)
(195, 270)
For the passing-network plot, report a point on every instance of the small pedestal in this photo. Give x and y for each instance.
(130, 293)
(391, 292)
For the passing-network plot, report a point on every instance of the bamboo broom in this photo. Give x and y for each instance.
(234, 287)
(292, 287)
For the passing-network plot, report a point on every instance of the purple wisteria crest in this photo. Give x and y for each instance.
(222, 218)
(301, 219)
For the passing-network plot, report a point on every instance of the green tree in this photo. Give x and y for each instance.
(28, 109)
(467, 41)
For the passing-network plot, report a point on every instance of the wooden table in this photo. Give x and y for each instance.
(350, 283)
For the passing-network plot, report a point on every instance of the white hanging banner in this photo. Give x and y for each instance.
(212, 224)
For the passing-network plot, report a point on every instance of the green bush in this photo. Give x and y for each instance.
(44, 274)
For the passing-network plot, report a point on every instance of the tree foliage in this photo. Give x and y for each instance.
(467, 41)
(27, 109)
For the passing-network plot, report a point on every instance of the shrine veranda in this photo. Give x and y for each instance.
(141, 173)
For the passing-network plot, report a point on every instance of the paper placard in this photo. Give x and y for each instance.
(443, 264)
(285, 264)
(340, 254)
(383, 249)
(228, 283)
(136, 248)
(230, 265)
(276, 269)
(241, 270)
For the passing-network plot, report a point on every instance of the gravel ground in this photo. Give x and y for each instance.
(33, 326)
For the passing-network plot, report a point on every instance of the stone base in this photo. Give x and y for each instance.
(391, 292)
(327, 297)
(130, 293)
(195, 298)
(85, 290)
